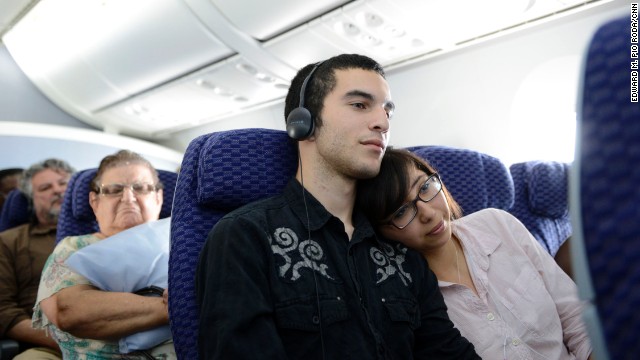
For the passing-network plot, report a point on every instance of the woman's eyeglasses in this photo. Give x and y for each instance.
(402, 217)
(113, 190)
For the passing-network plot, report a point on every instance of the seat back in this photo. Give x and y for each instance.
(605, 195)
(541, 201)
(220, 172)
(77, 217)
(475, 180)
(15, 210)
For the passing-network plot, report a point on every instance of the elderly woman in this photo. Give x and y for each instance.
(85, 321)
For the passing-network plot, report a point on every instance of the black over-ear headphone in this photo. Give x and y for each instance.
(300, 124)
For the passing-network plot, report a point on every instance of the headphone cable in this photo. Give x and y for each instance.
(313, 271)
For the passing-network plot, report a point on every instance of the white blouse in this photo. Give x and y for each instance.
(528, 308)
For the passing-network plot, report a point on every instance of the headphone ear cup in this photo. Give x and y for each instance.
(299, 124)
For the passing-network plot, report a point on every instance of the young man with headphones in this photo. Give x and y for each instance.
(303, 275)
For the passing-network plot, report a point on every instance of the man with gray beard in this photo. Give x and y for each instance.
(23, 252)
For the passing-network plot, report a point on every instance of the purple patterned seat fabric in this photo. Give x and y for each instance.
(541, 201)
(76, 215)
(475, 180)
(608, 177)
(220, 172)
(15, 210)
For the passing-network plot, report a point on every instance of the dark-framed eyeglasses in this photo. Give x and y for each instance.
(402, 217)
(116, 189)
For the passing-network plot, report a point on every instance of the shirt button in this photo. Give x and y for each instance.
(315, 319)
(490, 317)
(515, 342)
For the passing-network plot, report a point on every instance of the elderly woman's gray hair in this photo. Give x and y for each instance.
(119, 158)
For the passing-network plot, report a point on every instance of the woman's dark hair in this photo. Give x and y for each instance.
(380, 196)
(123, 157)
(323, 82)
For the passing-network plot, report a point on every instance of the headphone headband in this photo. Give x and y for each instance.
(300, 124)
(303, 88)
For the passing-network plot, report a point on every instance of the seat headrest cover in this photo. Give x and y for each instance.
(15, 210)
(548, 191)
(240, 166)
(80, 208)
(168, 179)
(475, 180)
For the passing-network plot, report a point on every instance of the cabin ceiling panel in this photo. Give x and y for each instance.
(88, 54)
(265, 19)
(393, 31)
(152, 67)
(219, 90)
(11, 11)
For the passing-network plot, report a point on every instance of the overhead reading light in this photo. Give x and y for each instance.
(246, 68)
(369, 40)
(265, 78)
(346, 28)
(140, 111)
(136, 109)
(218, 90)
(393, 32)
(369, 19)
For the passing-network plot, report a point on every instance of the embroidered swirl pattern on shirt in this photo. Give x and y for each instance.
(297, 254)
(389, 261)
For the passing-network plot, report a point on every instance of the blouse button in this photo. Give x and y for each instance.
(515, 342)
(490, 317)
(315, 319)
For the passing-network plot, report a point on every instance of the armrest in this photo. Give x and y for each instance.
(8, 349)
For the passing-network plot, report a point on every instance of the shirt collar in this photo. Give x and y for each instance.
(483, 249)
(313, 213)
(35, 229)
(318, 214)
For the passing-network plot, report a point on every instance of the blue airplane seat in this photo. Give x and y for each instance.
(475, 180)
(15, 210)
(604, 193)
(541, 201)
(76, 215)
(220, 172)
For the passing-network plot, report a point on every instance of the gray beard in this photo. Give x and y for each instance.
(53, 214)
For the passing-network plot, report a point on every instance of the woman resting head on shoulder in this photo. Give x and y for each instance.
(85, 321)
(503, 291)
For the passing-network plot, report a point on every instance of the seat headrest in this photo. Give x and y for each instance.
(15, 210)
(76, 214)
(547, 182)
(80, 208)
(232, 174)
(82, 211)
(475, 180)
